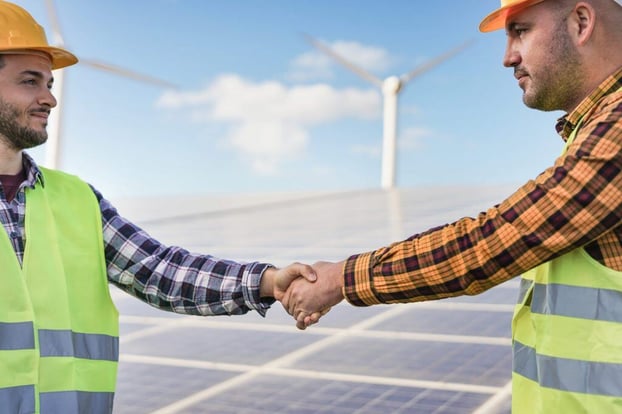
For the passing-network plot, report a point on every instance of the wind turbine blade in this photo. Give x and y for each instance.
(347, 64)
(54, 22)
(434, 62)
(127, 73)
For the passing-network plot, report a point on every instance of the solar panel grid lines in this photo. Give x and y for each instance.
(284, 367)
(449, 356)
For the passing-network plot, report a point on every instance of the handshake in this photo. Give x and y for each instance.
(306, 292)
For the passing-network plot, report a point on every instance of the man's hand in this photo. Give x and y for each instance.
(275, 283)
(306, 302)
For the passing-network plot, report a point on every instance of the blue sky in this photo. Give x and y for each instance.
(258, 109)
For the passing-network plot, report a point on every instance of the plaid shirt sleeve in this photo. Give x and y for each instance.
(173, 279)
(576, 202)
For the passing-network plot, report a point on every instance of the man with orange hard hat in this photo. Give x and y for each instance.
(560, 232)
(63, 243)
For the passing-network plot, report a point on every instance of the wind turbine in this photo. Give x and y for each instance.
(54, 142)
(390, 87)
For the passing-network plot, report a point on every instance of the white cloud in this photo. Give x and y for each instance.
(317, 65)
(368, 57)
(269, 121)
(265, 144)
(310, 66)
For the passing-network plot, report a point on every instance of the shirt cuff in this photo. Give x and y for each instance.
(251, 284)
(358, 287)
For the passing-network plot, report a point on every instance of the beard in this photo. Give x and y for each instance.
(18, 137)
(556, 83)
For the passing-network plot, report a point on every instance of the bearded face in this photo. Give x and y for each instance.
(25, 99)
(556, 75)
(16, 135)
(546, 60)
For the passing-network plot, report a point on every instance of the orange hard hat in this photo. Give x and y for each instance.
(19, 32)
(496, 19)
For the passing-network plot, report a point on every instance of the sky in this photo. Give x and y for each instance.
(258, 109)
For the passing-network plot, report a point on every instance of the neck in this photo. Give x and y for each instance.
(10, 161)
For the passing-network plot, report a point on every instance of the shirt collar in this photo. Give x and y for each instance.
(566, 124)
(33, 173)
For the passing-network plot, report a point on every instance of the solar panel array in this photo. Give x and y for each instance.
(449, 356)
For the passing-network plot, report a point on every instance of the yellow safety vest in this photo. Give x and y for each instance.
(567, 338)
(59, 331)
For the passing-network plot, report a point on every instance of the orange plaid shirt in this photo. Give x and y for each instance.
(575, 203)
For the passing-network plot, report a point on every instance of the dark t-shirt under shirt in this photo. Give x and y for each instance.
(11, 183)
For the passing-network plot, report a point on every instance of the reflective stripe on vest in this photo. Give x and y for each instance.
(76, 402)
(18, 400)
(17, 335)
(14, 336)
(21, 400)
(79, 345)
(577, 302)
(567, 374)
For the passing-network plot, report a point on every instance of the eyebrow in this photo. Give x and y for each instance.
(36, 74)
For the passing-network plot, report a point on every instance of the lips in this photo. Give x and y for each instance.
(521, 76)
(40, 113)
(518, 74)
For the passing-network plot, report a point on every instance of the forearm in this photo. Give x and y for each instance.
(567, 206)
(428, 266)
(177, 281)
(173, 279)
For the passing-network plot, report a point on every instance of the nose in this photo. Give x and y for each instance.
(47, 98)
(512, 57)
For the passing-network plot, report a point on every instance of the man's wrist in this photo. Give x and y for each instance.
(266, 284)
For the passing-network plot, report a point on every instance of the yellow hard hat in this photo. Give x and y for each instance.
(20, 32)
(496, 19)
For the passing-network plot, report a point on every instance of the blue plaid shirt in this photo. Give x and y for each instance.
(166, 277)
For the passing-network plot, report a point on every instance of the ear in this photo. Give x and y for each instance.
(582, 21)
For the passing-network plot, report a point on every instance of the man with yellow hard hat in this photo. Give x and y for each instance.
(63, 243)
(560, 232)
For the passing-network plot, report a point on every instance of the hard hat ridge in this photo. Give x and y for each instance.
(20, 32)
(496, 19)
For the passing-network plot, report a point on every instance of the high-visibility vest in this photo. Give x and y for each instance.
(567, 337)
(59, 330)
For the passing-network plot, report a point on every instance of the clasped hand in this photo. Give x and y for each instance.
(308, 292)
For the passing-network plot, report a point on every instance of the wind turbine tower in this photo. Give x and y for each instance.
(390, 88)
(54, 142)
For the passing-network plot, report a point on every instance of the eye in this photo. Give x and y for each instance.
(519, 30)
(516, 30)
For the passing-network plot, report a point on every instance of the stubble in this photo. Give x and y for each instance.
(555, 84)
(16, 136)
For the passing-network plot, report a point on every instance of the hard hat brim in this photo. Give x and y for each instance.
(60, 58)
(496, 20)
